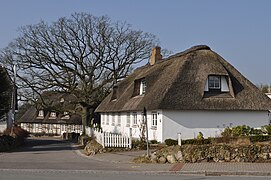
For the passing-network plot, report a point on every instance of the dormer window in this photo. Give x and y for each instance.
(53, 115)
(139, 87)
(214, 82)
(217, 86)
(41, 113)
(66, 115)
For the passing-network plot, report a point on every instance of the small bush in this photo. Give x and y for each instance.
(200, 136)
(137, 144)
(266, 129)
(154, 142)
(260, 138)
(171, 142)
(18, 131)
(197, 141)
(244, 130)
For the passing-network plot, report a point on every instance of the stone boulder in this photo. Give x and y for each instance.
(92, 148)
(153, 158)
(171, 159)
(162, 160)
(179, 156)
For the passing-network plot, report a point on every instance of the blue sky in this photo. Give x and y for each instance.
(238, 30)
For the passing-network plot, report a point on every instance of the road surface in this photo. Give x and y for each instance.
(50, 158)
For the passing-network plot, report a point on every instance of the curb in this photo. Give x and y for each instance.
(80, 153)
(173, 171)
(229, 173)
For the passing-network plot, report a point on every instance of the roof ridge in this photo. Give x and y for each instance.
(192, 49)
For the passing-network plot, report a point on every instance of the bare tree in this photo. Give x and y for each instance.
(82, 54)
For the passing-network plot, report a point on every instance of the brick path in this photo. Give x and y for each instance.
(228, 168)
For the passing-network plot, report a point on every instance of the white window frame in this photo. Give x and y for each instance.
(107, 119)
(113, 119)
(142, 87)
(154, 117)
(41, 113)
(215, 80)
(53, 114)
(134, 118)
(128, 119)
(103, 116)
(66, 115)
(119, 119)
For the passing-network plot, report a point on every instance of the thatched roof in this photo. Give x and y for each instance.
(53, 101)
(178, 82)
(58, 101)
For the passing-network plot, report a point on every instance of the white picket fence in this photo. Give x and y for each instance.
(107, 139)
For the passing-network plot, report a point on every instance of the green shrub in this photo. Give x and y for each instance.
(241, 131)
(227, 132)
(137, 144)
(154, 142)
(256, 132)
(266, 129)
(238, 131)
(197, 141)
(260, 138)
(171, 142)
(200, 136)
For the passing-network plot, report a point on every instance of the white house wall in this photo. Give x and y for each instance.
(210, 123)
(154, 133)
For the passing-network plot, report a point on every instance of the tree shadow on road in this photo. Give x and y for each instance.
(43, 144)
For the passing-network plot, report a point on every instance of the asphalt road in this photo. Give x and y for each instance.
(48, 158)
(50, 153)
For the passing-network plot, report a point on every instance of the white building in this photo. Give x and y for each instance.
(55, 114)
(190, 92)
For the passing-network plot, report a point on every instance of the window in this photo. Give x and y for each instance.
(113, 119)
(154, 119)
(119, 119)
(128, 119)
(139, 87)
(41, 113)
(53, 114)
(142, 87)
(107, 119)
(103, 118)
(62, 100)
(66, 115)
(134, 118)
(214, 82)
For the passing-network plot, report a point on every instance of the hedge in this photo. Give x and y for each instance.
(253, 139)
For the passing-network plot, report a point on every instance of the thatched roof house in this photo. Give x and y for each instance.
(190, 92)
(53, 108)
(178, 83)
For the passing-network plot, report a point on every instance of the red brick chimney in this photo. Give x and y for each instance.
(155, 55)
